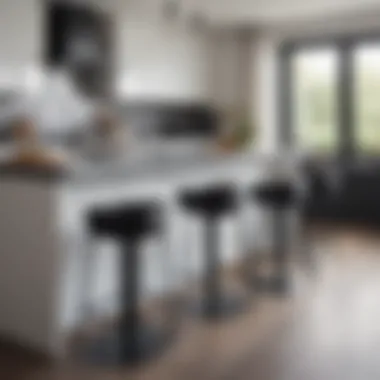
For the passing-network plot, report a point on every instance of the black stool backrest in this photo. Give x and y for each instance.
(211, 201)
(125, 220)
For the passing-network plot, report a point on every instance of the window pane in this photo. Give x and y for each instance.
(367, 98)
(315, 100)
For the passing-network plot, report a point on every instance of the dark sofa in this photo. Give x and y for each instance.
(348, 194)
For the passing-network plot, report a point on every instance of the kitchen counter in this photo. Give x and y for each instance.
(88, 173)
(45, 231)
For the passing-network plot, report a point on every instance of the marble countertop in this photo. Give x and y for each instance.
(89, 173)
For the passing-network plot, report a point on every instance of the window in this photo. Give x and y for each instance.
(335, 102)
(367, 98)
(315, 100)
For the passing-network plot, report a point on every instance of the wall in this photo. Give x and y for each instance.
(231, 64)
(160, 58)
(272, 12)
(243, 82)
(225, 73)
(20, 42)
(263, 79)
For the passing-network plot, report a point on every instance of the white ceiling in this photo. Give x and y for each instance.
(279, 11)
(251, 13)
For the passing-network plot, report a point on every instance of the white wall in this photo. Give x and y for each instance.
(263, 79)
(157, 58)
(225, 73)
(272, 12)
(231, 66)
(20, 42)
(244, 81)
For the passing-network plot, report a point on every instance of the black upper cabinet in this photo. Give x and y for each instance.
(65, 24)
(80, 38)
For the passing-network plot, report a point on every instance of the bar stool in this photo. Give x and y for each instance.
(211, 204)
(277, 196)
(133, 340)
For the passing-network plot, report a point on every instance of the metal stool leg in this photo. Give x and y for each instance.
(212, 283)
(280, 252)
(216, 303)
(278, 281)
(130, 320)
(132, 341)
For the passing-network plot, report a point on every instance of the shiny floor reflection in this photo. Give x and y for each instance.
(328, 329)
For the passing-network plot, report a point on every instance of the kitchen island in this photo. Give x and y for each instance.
(53, 271)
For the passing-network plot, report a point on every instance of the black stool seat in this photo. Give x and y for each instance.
(276, 194)
(212, 201)
(211, 204)
(133, 340)
(125, 220)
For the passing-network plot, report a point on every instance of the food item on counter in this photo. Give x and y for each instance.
(24, 131)
(38, 158)
(29, 152)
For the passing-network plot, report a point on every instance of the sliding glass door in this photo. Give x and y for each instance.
(334, 106)
(315, 128)
(367, 98)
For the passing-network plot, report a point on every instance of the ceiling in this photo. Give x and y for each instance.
(259, 12)
(256, 13)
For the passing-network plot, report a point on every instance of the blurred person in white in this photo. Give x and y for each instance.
(52, 112)
(59, 106)
(47, 101)
(67, 121)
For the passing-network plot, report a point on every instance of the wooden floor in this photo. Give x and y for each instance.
(329, 328)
